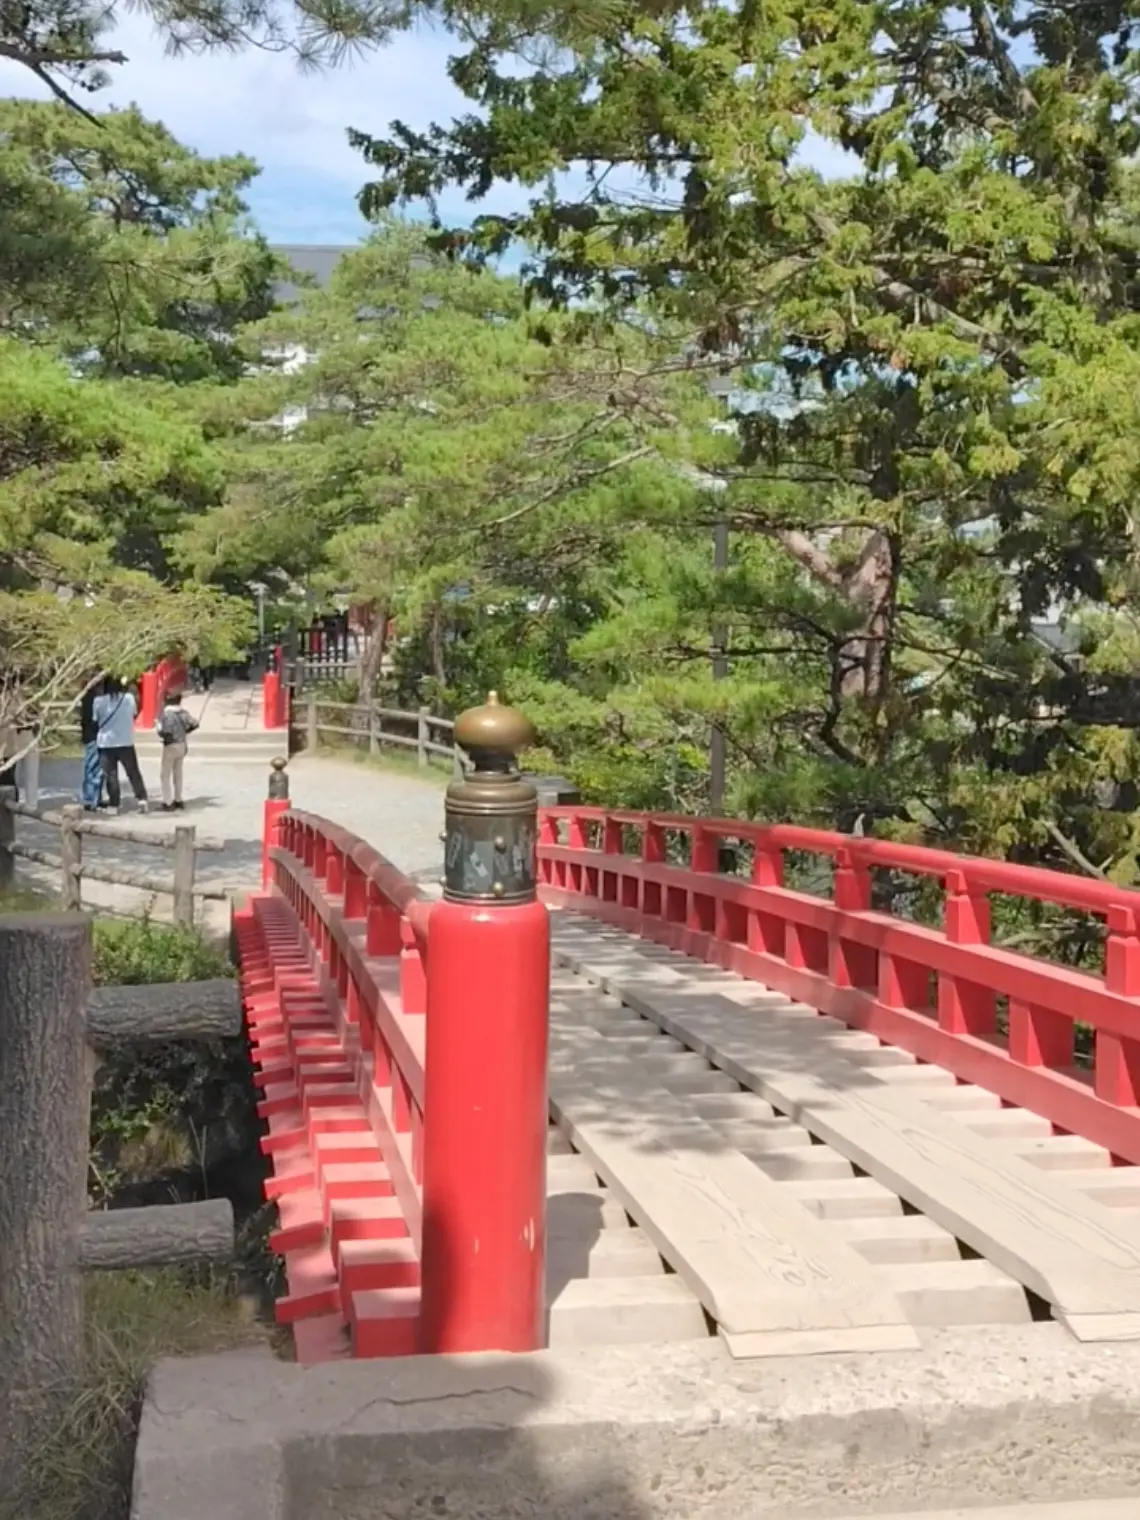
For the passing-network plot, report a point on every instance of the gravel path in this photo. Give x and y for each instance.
(401, 815)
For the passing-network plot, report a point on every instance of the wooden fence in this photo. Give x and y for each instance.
(422, 731)
(73, 825)
(53, 1029)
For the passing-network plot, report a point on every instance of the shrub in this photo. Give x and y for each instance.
(134, 951)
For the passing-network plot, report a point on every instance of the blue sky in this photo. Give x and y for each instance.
(295, 124)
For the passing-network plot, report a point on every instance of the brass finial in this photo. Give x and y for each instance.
(278, 779)
(493, 729)
(489, 843)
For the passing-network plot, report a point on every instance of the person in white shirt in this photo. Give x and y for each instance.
(114, 715)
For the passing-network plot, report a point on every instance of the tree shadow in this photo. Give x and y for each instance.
(573, 1228)
(676, 1017)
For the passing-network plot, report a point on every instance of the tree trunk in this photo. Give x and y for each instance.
(45, 1098)
(371, 660)
(154, 1015)
(866, 656)
(163, 1235)
(438, 657)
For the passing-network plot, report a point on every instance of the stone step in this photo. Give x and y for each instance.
(961, 1098)
(582, 1213)
(1008, 1124)
(613, 1253)
(799, 1164)
(914, 1074)
(570, 1172)
(736, 1105)
(844, 1197)
(1117, 1186)
(700, 1078)
(1065, 1153)
(898, 1238)
(218, 749)
(616, 1311)
(945, 1293)
(774, 1134)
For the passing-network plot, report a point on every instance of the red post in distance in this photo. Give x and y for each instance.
(148, 699)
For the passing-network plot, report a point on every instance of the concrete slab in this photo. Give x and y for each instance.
(1017, 1414)
(1096, 1509)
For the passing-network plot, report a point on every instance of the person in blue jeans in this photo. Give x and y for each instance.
(92, 789)
(115, 713)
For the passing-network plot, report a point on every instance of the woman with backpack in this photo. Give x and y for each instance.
(174, 726)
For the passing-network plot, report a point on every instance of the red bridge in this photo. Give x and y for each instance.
(780, 1086)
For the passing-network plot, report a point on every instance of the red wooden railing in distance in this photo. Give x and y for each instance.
(1002, 1019)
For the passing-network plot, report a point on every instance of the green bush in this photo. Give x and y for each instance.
(134, 951)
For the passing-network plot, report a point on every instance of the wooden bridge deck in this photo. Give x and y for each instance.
(814, 1189)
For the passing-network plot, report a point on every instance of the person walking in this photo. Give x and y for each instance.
(115, 711)
(92, 786)
(173, 727)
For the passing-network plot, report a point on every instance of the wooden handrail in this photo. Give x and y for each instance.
(367, 724)
(182, 841)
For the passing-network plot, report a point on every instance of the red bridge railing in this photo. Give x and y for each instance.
(402, 1051)
(1004, 1020)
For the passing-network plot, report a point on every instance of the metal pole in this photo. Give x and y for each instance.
(719, 671)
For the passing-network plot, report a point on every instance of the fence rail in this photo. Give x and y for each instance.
(74, 826)
(993, 1016)
(51, 1027)
(420, 730)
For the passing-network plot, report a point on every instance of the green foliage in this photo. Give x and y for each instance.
(126, 262)
(93, 483)
(162, 1118)
(452, 464)
(122, 249)
(931, 362)
(132, 952)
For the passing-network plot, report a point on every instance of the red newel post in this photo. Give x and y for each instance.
(276, 805)
(270, 699)
(148, 699)
(483, 1257)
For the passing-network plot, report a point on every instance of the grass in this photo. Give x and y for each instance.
(26, 900)
(83, 1469)
(393, 762)
(135, 951)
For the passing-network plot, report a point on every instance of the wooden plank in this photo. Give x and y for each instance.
(1080, 1256)
(769, 1273)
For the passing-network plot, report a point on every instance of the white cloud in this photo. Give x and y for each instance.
(294, 124)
